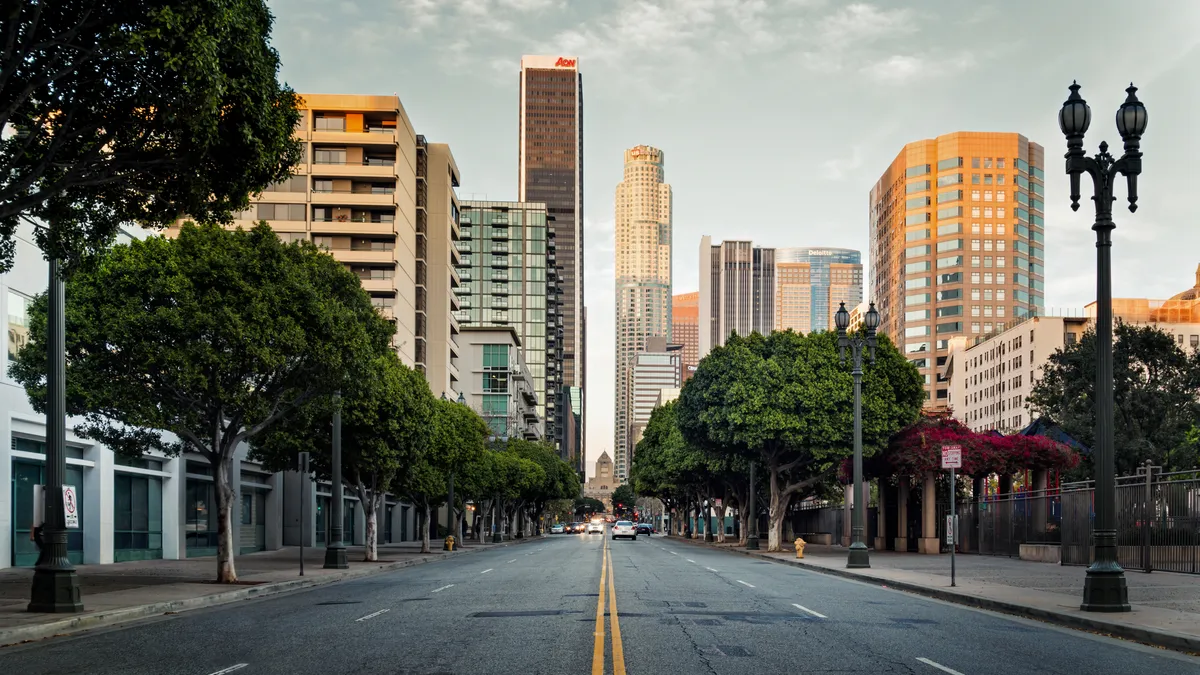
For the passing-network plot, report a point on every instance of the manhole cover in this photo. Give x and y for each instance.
(530, 612)
(340, 602)
(706, 622)
(695, 604)
(733, 650)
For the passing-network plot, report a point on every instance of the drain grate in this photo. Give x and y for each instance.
(706, 622)
(695, 604)
(916, 622)
(340, 602)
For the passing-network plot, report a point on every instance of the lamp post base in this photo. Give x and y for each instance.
(335, 558)
(497, 538)
(859, 557)
(1104, 589)
(708, 537)
(752, 542)
(55, 591)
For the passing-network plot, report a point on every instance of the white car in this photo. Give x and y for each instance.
(595, 527)
(624, 528)
(556, 529)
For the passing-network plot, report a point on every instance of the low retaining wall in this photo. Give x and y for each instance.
(1047, 553)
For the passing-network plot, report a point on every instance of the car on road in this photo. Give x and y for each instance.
(645, 528)
(575, 528)
(596, 526)
(558, 528)
(624, 528)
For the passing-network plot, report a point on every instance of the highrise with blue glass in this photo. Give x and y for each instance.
(810, 283)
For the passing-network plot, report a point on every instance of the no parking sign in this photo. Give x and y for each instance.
(70, 507)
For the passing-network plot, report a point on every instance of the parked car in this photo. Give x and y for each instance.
(558, 528)
(624, 528)
(645, 528)
(596, 526)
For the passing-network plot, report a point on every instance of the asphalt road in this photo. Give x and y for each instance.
(532, 609)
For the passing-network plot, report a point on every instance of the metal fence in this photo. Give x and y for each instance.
(999, 526)
(1158, 521)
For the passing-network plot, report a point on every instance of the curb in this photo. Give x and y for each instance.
(23, 634)
(1157, 638)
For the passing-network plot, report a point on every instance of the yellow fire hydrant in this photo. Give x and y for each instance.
(449, 544)
(799, 547)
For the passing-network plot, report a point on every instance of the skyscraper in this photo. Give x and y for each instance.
(508, 281)
(810, 284)
(643, 275)
(685, 330)
(737, 291)
(550, 171)
(654, 369)
(957, 244)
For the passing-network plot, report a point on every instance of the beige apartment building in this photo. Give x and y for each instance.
(643, 278)
(991, 379)
(381, 199)
(957, 244)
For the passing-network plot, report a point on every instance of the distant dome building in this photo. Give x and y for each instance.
(1182, 307)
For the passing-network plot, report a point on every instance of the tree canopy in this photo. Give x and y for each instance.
(136, 111)
(212, 336)
(786, 400)
(1156, 404)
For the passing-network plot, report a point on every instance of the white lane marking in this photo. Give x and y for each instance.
(372, 616)
(487, 570)
(674, 553)
(802, 608)
(439, 590)
(745, 584)
(512, 561)
(230, 669)
(710, 569)
(937, 665)
(690, 560)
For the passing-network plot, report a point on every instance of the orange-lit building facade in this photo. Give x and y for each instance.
(685, 329)
(957, 231)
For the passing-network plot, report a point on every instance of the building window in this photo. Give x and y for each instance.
(137, 517)
(18, 323)
(495, 357)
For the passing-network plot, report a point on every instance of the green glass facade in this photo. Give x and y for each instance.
(510, 278)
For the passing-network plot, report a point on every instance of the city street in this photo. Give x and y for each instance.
(679, 609)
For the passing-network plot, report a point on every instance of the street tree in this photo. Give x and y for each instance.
(785, 400)
(623, 499)
(665, 465)
(586, 505)
(213, 337)
(456, 441)
(1156, 404)
(560, 481)
(136, 111)
(386, 417)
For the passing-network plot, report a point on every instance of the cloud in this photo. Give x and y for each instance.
(862, 23)
(899, 69)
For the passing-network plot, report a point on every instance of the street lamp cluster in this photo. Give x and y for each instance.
(859, 556)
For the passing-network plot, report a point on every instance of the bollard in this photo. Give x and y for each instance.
(449, 543)
(800, 547)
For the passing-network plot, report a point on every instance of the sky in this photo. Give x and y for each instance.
(777, 116)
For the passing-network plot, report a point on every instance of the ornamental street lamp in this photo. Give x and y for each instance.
(1104, 588)
(859, 556)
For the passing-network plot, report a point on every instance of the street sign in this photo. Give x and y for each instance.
(951, 526)
(951, 456)
(71, 507)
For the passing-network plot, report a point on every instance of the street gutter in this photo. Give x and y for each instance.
(1155, 637)
(77, 624)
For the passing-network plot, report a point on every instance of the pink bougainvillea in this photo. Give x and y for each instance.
(917, 450)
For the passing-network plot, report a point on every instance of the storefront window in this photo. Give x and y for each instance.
(25, 475)
(201, 518)
(137, 517)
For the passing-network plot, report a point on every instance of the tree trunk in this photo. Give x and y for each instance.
(425, 531)
(721, 517)
(743, 521)
(370, 502)
(775, 527)
(226, 573)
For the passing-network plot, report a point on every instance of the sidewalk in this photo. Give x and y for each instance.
(1166, 606)
(122, 592)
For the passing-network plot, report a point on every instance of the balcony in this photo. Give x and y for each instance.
(500, 232)
(346, 227)
(365, 257)
(378, 285)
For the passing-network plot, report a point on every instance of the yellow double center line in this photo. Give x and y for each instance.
(618, 650)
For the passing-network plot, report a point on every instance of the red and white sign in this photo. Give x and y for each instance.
(564, 62)
(951, 456)
(71, 507)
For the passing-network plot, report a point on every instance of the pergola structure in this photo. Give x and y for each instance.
(913, 460)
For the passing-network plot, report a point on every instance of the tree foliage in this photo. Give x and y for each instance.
(786, 400)
(136, 111)
(623, 498)
(212, 336)
(386, 416)
(1155, 385)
